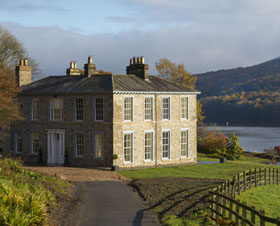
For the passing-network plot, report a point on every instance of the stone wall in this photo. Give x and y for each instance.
(88, 126)
(138, 126)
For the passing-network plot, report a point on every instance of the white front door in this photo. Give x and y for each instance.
(55, 147)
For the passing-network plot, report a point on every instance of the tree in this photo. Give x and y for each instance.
(11, 51)
(178, 74)
(234, 150)
(9, 110)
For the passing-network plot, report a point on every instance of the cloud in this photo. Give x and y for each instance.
(122, 19)
(20, 6)
(204, 36)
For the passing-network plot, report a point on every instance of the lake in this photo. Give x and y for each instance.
(253, 138)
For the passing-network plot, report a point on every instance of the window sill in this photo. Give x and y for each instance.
(127, 163)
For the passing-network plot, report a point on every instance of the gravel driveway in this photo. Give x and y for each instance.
(101, 198)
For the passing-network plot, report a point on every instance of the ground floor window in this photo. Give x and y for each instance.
(79, 144)
(184, 142)
(148, 145)
(166, 144)
(99, 144)
(35, 142)
(128, 146)
(18, 142)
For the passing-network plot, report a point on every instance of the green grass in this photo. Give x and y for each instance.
(264, 197)
(26, 195)
(218, 171)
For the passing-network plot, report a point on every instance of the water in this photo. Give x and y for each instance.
(253, 138)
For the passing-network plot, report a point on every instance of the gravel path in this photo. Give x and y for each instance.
(101, 198)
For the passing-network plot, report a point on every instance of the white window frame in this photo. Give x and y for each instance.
(169, 109)
(95, 109)
(16, 142)
(33, 109)
(79, 120)
(187, 151)
(131, 109)
(187, 106)
(131, 141)
(52, 109)
(32, 144)
(95, 148)
(163, 131)
(76, 145)
(152, 146)
(152, 108)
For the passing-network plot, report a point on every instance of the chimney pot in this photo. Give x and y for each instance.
(90, 59)
(25, 62)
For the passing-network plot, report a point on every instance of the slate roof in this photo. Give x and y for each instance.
(102, 84)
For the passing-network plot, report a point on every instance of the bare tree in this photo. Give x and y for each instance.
(11, 51)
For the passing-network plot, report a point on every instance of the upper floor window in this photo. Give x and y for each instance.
(35, 145)
(166, 144)
(79, 144)
(184, 142)
(56, 106)
(79, 104)
(19, 142)
(99, 109)
(35, 109)
(99, 144)
(148, 108)
(128, 146)
(184, 107)
(128, 109)
(166, 108)
(148, 145)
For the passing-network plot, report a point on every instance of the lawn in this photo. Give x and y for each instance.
(265, 197)
(177, 193)
(216, 171)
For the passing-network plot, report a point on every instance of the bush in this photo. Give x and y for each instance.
(218, 145)
(25, 195)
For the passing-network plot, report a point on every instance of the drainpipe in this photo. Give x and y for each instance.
(156, 132)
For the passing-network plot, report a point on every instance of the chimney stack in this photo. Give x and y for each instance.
(90, 68)
(138, 67)
(73, 70)
(23, 73)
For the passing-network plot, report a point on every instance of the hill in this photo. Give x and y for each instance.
(247, 96)
(246, 79)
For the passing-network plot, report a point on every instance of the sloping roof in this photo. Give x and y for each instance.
(102, 84)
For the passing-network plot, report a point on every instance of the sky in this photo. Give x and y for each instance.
(203, 35)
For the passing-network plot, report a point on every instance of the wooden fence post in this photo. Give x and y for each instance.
(255, 177)
(244, 213)
(253, 216)
(273, 174)
(250, 185)
(264, 176)
(269, 179)
(262, 222)
(277, 181)
(278, 221)
(260, 176)
(230, 213)
(237, 211)
(244, 180)
(238, 183)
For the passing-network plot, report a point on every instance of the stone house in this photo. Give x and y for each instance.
(86, 117)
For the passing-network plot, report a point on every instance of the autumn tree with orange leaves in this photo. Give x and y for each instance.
(178, 74)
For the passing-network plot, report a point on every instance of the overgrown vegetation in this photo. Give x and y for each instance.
(25, 196)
